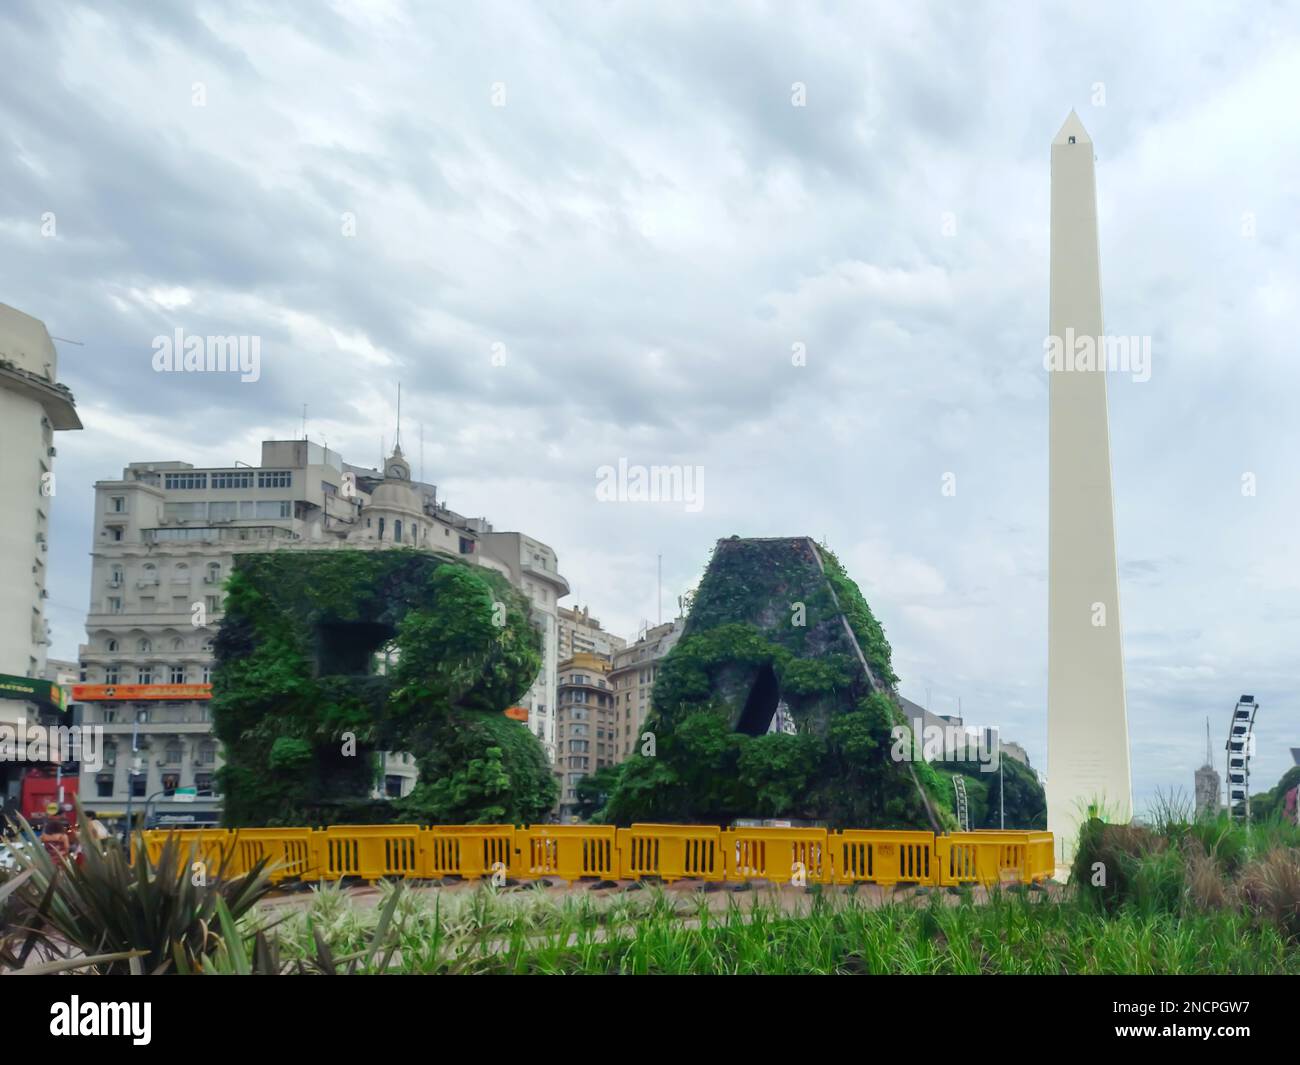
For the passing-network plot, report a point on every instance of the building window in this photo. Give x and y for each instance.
(213, 604)
(144, 675)
(397, 531)
(138, 782)
(172, 753)
(119, 504)
(176, 481)
(111, 646)
(274, 508)
(381, 528)
(115, 604)
(274, 478)
(115, 534)
(104, 786)
(171, 781)
(233, 479)
(111, 675)
(207, 674)
(109, 714)
(142, 715)
(115, 577)
(206, 754)
(178, 674)
(214, 573)
(203, 783)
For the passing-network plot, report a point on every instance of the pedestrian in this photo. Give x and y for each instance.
(97, 830)
(55, 837)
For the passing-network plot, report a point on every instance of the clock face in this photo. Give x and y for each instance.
(397, 473)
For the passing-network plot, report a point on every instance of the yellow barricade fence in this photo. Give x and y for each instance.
(1042, 855)
(569, 852)
(471, 851)
(777, 854)
(984, 857)
(210, 845)
(371, 851)
(291, 853)
(671, 852)
(886, 858)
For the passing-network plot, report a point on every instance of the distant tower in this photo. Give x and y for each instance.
(1087, 720)
(1207, 783)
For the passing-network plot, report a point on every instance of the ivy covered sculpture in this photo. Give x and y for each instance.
(776, 625)
(325, 658)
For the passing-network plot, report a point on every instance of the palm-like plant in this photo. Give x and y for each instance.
(164, 912)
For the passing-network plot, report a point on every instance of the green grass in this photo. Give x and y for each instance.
(650, 932)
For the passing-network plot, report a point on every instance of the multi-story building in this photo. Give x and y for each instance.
(633, 677)
(166, 535)
(587, 724)
(531, 567)
(580, 632)
(33, 407)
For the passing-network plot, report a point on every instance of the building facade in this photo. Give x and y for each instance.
(165, 539)
(33, 407)
(587, 725)
(580, 632)
(633, 677)
(532, 567)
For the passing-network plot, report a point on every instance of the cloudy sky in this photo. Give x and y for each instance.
(579, 233)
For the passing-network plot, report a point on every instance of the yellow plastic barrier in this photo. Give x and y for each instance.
(985, 857)
(291, 853)
(777, 854)
(471, 851)
(370, 851)
(569, 852)
(211, 845)
(1042, 855)
(859, 856)
(671, 852)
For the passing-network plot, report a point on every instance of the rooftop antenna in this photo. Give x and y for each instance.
(1209, 755)
(397, 440)
(304, 421)
(422, 451)
(79, 343)
(659, 593)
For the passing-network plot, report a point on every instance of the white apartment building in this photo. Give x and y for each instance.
(33, 407)
(166, 535)
(531, 566)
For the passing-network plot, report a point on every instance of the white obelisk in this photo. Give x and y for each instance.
(1087, 721)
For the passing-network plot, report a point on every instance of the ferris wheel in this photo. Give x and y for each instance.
(1240, 749)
